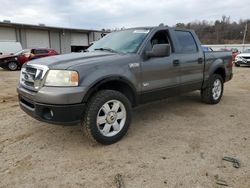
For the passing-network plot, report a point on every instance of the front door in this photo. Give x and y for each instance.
(160, 75)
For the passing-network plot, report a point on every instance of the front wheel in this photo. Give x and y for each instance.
(107, 117)
(213, 92)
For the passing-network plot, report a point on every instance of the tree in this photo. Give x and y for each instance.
(219, 31)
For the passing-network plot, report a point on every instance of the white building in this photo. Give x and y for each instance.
(63, 40)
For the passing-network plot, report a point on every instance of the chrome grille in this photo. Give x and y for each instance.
(32, 76)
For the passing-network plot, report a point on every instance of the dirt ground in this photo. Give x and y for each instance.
(178, 142)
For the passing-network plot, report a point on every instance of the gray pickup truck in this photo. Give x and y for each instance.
(122, 70)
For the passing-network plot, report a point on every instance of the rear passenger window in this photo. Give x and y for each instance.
(186, 42)
(41, 51)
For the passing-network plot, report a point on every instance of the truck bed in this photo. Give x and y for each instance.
(217, 57)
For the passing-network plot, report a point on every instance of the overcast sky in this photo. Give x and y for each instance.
(98, 14)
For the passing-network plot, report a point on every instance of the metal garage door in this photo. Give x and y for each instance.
(7, 34)
(98, 35)
(79, 39)
(37, 39)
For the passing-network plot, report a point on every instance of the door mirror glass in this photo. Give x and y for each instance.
(159, 50)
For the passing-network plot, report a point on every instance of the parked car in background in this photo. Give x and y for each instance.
(243, 58)
(7, 48)
(207, 49)
(15, 61)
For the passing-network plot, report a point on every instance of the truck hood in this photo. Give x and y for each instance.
(69, 60)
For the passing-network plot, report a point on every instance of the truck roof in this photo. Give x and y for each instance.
(159, 27)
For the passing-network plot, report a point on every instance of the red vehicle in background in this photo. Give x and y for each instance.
(15, 61)
(235, 52)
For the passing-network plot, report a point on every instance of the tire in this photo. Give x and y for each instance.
(13, 66)
(237, 65)
(213, 92)
(107, 117)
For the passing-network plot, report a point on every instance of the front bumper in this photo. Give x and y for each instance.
(54, 95)
(56, 105)
(55, 114)
(242, 62)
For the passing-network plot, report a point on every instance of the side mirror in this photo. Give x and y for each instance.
(159, 50)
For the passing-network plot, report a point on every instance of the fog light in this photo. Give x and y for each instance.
(48, 114)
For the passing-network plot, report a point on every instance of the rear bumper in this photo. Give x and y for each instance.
(55, 114)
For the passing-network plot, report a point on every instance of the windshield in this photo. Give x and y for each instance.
(127, 41)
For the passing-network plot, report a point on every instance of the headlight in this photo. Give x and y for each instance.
(62, 78)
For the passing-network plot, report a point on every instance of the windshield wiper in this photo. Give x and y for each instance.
(106, 49)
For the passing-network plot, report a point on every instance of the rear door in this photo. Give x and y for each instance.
(160, 76)
(190, 59)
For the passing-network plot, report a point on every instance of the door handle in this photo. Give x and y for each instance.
(200, 60)
(176, 62)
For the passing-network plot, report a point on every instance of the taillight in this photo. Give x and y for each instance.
(230, 63)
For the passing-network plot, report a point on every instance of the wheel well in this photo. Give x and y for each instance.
(117, 85)
(14, 61)
(221, 72)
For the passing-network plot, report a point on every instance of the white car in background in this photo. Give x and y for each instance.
(243, 58)
(7, 47)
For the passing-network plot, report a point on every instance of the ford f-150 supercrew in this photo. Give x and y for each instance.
(122, 70)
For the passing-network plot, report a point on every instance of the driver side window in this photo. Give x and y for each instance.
(160, 37)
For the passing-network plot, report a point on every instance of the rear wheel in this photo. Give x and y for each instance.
(213, 92)
(107, 117)
(13, 65)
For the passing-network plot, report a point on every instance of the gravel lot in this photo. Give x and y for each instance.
(178, 142)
